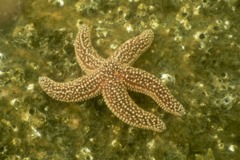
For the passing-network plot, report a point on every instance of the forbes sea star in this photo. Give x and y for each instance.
(112, 77)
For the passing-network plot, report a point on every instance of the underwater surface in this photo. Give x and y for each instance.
(195, 52)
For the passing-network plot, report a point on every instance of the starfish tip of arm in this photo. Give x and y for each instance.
(178, 109)
(42, 79)
(149, 34)
(44, 82)
(160, 128)
(182, 111)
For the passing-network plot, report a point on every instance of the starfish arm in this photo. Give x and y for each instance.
(86, 55)
(129, 51)
(119, 102)
(143, 82)
(80, 89)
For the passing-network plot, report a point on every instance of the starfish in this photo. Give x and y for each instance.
(112, 78)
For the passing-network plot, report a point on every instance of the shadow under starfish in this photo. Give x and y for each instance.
(112, 78)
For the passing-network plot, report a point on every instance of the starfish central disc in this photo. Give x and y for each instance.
(111, 71)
